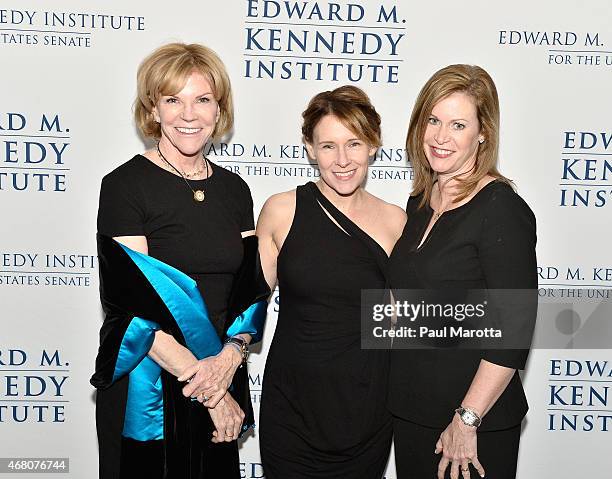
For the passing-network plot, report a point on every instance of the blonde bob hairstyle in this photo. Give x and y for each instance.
(351, 106)
(476, 83)
(166, 71)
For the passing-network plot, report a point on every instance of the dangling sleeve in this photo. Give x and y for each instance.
(249, 298)
(248, 307)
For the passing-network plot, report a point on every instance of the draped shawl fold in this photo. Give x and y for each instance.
(141, 295)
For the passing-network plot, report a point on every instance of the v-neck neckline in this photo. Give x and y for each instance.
(423, 240)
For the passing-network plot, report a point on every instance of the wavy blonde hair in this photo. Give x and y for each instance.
(166, 71)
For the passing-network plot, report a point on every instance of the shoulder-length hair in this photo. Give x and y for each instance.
(476, 83)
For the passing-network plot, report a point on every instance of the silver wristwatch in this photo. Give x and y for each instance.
(468, 416)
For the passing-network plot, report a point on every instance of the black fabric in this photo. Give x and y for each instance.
(124, 293)
(204, 241)
(187, 424)
(323, 408)
(250, 285)
(488, 242)
(415, 445)
(109, 426)
(201, 239)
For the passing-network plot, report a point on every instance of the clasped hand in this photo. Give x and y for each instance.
(458, 445)
(227, 418)
(210, 378)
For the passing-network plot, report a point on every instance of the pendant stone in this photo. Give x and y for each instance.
(198, 195)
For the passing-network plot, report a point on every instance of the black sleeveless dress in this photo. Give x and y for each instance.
(323, 410)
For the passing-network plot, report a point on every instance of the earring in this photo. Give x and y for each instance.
(481, 141)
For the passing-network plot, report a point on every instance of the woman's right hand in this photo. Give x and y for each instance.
(211, 377)
(227, 418)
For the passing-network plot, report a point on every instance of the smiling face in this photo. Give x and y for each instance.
(452, 135)
(342, 156)
(187, 118)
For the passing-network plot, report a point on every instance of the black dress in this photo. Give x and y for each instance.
(204, 241)
(323, 412)
(488, 242)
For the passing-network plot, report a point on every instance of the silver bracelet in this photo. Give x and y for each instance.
(241, 345)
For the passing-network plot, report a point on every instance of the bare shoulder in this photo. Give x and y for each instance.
(279, 205)
(274, 223)
(394, 212)
(391, 213)
(277, 210)
(282, 201)
(391, 217)
(395, 218)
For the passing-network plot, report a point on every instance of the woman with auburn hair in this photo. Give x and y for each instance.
(179, 281)
(459, 411)
(323, 410)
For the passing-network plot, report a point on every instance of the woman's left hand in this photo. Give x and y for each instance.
(211, 377)
(458, 445)
(227, 418)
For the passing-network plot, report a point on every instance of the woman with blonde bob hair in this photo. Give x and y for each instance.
(467, 229)
(167, 70)
(323, 411)
(180, 285)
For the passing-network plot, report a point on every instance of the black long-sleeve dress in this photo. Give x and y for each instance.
(487, 243)
(323, 411)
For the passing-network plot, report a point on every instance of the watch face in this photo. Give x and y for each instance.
(468, 417)
(472, 418)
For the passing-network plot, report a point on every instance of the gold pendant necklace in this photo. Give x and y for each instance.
(198, 195)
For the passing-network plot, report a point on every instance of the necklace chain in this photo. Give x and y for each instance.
(198, 195)
(440, 211)
(197, 172)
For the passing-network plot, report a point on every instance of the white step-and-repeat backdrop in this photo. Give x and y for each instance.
(68, 83)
